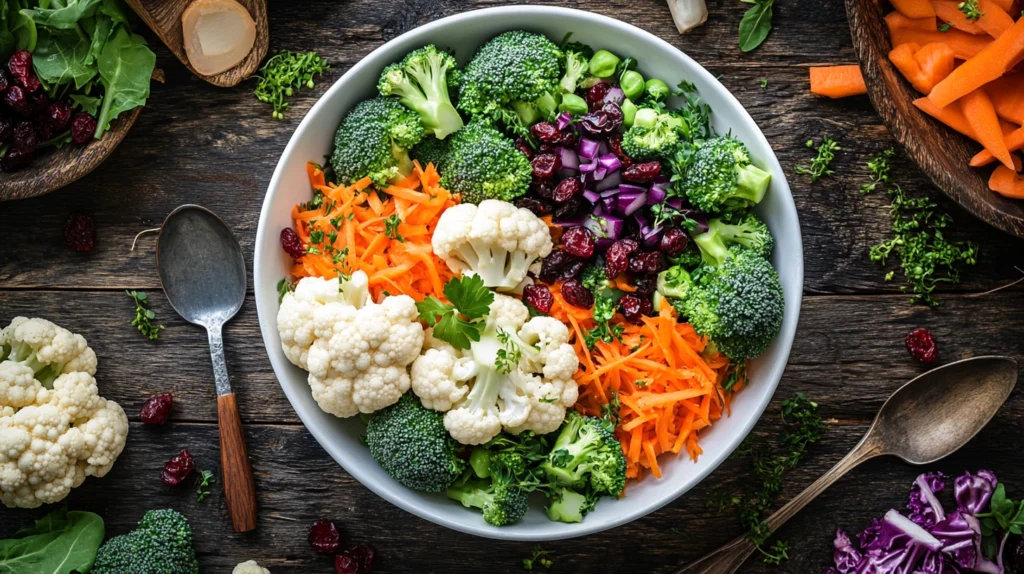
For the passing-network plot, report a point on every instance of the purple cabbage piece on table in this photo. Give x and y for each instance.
(974, 491)
(924, 506)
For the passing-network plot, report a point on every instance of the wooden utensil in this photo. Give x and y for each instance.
(164, 18)
(942, 153)
(53, 170)
(203, 275)
(925, 420)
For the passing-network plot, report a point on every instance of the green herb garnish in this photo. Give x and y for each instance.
(203, 482)
(460, 322)
(538, 557)
(970, 9)
(945, 27)
(507, 358)
(284, 74)
(880, 168)
(143, 316)
(756, 24)
(391, 228)
(284, 287)
(820, 164)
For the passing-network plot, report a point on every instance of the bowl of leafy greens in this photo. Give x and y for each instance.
(73, 81)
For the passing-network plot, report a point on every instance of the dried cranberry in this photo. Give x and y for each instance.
(20, 66)
(83, 126)
(615, 143)
(6, 129)
(178, 468)
(324, 536)
(543, 189)
(571, 208)
(630, 305)
(649, 262)
(642, 172)
(14, 160)
(545, 165)
(539, 297)
(291, 243)
(25, 137)
(357, 560)
(645, 285)
(616, 258)
(546, 132)
(39, 102)
(17, 100)
(58, 115)
(921, 345)
(596, 123)
(539, 207)
(596, 94)
(577, 295)
(567, 189)
(578, 241)
(614, 113)
(569, 139)
(560, 266)
(673, 241)
(156, 409)
(5, 80)
(79, 232)
(524, 147)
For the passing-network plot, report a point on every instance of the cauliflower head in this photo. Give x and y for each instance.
(356, 351)
(517, 377)
(495, 240)
(55, 428)
(250, 567)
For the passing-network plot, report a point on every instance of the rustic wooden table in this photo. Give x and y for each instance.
(196, 143)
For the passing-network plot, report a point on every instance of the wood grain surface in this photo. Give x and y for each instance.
(217, 147)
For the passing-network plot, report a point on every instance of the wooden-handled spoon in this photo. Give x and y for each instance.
(925, 420)
(164, 18)
(203, 274)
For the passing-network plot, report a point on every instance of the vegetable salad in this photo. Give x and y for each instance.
(536, 272)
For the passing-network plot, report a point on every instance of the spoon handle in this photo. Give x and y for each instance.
(239, 486)
(729, 557)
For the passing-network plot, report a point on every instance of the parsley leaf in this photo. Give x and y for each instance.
(283, 74)
(880, 169)
(284, 287)
(970, 9)
(458, 323)
(391, 228)
(143, 320)
(756, 24)
(470, 296)
(820, 164)
(203, 482)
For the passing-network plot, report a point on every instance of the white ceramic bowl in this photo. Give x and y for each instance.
(464, 33)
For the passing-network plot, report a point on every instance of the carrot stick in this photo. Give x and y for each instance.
(896, 21)
(948, 11)
(1006, 5)
(1007, 182)
(964, 45)
(837, 81)
(1014, 141)
(1007, 95)
(902, 57)
(989, 64)
(914, 8)
(981, 116)
(994, 19)
(936, 62)
(949, 115)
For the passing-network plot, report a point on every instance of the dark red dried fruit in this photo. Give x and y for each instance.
(5, 80)
(560, 266)
(596, 94)
(83, 127)
(615, 143)
(14, 160)
(291, 243)
(642, 172)
(324, 536)
(578, 241)
(649, 262)
(571, 208)
(567, 189)
(546, 132)
(645, 285)
(79, 232)
(614, 113)
(616, 258)
(631, 308)
(922, 346)
(18, 100)
(545, 165)
(577, 295)
(569, 139)
(597, 123)
(673, 241)
(539, 207)
(543, 189)
(25, 137)
(58, 115)
(156, 409)
(39, 102)
(178, 468)
(539, 297)
(357, 560)
(524, 147)
(6, 129)
(20, 66)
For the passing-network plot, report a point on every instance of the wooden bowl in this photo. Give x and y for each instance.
(52, 171)
(942, 153)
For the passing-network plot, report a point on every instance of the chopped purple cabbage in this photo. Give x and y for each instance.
(925, 508)
(974, 491)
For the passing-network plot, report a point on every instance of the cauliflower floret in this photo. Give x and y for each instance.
(55, 429)
(250, 567)
(356, 351)
(495, 240)
(481, 395)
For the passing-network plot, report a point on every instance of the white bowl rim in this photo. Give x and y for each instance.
(267, 321)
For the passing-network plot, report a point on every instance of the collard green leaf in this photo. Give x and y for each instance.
(59, 543)
(64, 17)
(99, 28)
(22, 27)
(87, 104)
(126, 65)
(62, 57)
(114, 10)
(7, 41)
(756, 24)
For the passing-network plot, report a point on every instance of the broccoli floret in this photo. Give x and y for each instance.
(674, 282)
(501, 502)
(374, 141)
(484, 164)
(738, 305)
(720, 176)
(576, 67)
(596, 279)
(570, 506)
(432, 150)
(657, 141)
(689, 259)
(749, 232)
(513, 66)
(585, 455)
(162, 544)
(410, 443)
(421, 82)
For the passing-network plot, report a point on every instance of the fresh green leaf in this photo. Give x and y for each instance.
(62, 57)
(203, 482)
(284, 74)
(7, 41)
(114, 10)
(98, 28)
(126, 66)
(143, 320)
(391, 228)
(469, 295)
(21, 27)
(820, 164)
(459, 323)
(87, 104)
(538, 557)
(284, 287)
(457, 331)
(59, 543)
(62, 17)
(970, 9)
(756, 24)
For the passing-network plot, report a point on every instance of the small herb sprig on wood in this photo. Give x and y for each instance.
(538, 557)
(756, 24)
(203, 482)
(284, 74)
(143, 320)
(819, 167)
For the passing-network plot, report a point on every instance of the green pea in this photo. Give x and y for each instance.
(632, 84)
(629, 110)
(573, 104)
(645, 117)
(657, 89)
(603, 64)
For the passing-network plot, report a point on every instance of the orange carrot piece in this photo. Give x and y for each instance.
(902, 57)
(1007, 182)
(988, 65)
(914, 8)
(981, 116)
(896, 21)
(1006, 5)
(652, 459)
(1007, 95)
(936, 61)
(837, 81)
(964, 45)
(994, 19)
(948, 11)
(949, 115)
(1014, 141)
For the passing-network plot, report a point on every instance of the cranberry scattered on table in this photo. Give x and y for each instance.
(178, 468)
(324, 536)
(156, 410)
(79, 232)
(922, 346)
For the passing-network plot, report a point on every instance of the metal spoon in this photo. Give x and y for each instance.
(203, 274)
(925, 420)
